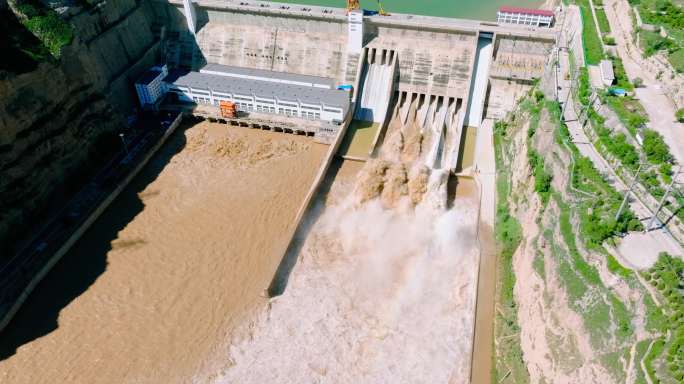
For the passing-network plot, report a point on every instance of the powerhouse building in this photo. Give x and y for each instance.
(254, 90)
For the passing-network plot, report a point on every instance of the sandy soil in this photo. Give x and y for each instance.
(182, 257)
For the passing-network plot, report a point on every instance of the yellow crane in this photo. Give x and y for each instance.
(381, 9)
(356, 4)
(353, 5)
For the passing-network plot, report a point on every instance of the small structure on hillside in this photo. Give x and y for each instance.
(607, 74)
(525, 16)
(150, 86)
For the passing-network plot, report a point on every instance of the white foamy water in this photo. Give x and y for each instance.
(378, 296)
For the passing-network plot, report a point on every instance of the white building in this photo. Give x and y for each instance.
(525, 16)
(607, 74)
(261, 91)
(150, 86)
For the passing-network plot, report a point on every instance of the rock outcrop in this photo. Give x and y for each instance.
(58, 120)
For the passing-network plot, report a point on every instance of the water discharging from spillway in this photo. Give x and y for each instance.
(384, 288)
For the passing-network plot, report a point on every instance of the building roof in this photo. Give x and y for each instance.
(259, 88)
(148, 76)
(527, 11)
(265, 75)
(607, 69)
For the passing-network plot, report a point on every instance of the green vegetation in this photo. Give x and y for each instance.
(641, 349)
(657, 152)
(655, 352)
(538, 265)
(593, 50)
(667, 276)
(584, 222)
(508, 234)
(616, 268)
(618, 146)
(45, 24)
(597, 217)
(604, 25)
(584, 89)
(629, 111)
(662, 12)
(666, 14)
(542, 178)
(656, 321)
(679, 115)
(508, 230)
(621, 79)
(21, 49)
(676, 58)
(652, 43)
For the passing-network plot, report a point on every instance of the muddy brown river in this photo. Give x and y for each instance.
(180, 258)
(166, 287)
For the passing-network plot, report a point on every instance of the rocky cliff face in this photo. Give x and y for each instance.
(59, 119)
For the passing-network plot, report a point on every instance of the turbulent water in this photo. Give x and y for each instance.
(165, 288)
(178, 260)
(383, 291)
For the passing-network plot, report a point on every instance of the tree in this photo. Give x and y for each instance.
(680, 115)
(638, 82)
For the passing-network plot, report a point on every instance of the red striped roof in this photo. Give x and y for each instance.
(527, 11)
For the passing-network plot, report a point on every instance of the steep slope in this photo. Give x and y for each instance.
(58, 117)
(567, 310)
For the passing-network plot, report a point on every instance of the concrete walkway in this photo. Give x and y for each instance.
(485, 174)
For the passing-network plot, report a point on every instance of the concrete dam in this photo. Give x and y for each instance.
(188, 260)
(445, 69)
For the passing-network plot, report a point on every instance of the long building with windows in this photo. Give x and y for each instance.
(261, 91)
(525, 16)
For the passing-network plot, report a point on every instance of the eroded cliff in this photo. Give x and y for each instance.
(59, 118)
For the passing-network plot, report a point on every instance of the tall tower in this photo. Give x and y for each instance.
(355, 32)
(190, 15)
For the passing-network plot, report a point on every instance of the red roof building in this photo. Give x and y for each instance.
(525, 16)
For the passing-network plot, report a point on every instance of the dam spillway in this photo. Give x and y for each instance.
(435, 57)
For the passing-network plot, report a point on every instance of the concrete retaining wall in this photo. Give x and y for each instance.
(274, 289)
(84, 227)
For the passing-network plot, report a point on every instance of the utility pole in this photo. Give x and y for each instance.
(662, 201)
(631, 186)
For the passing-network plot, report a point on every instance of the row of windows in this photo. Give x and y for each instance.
(263, 109)
(523, 22)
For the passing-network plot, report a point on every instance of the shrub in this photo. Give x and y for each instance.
(47, 26)
(679, 115)
(638, 82)
(655, 148)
